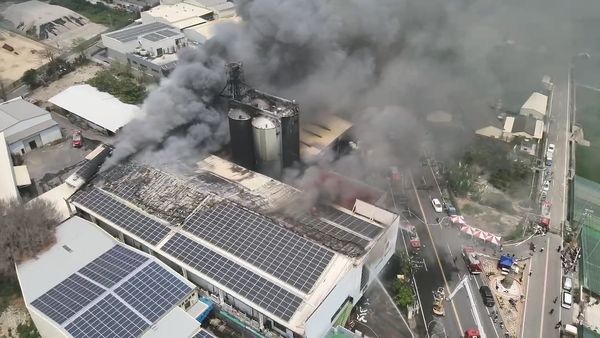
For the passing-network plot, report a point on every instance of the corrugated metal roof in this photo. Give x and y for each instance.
(536, 102)
(95, 106)
(24, 133)
(17, 110)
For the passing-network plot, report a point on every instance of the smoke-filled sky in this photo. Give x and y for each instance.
(383, 63)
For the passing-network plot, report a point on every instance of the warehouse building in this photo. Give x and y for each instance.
(96, 109)
(524, 126)
(27, 126)
(535, 106)
(151, 48)
(88, 284)
(8, 181)
(245, 240)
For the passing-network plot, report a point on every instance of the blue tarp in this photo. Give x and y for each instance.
(506, 261)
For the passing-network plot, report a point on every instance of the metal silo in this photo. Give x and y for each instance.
(267, 146)
(290, 136)
(242, 144)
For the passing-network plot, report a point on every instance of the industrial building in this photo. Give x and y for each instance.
(96, 109)
(535, 106)
(524, 126)
(87, 284)
(188, 13)
(245, 240)
(150, 48)
(26, 126)
(8, 183)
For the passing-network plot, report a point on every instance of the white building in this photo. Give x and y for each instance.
(8, 181)
(26, 126)
(242, 238)
(535, 106)
(97, 109)
(149, 47)
(89, 284)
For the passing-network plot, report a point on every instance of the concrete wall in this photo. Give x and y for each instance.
(50, 135)
(383, 250)
(320, 320)
(45, 327)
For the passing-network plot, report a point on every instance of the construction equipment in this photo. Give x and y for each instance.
(465, 283)
(438, 302)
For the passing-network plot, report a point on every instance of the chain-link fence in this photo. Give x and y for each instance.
(586, 219)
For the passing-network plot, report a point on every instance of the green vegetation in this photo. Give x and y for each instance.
(9, 289)
(588, 116)
(120, 82)
(470, 209)
(28, 330)
(98, 13)
(499, 202)
(461, 179)
(403, 291)
(30, 78)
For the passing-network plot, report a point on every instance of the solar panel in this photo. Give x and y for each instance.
(153, 37)
(203, 334)
(167, 33)
(257, 240)
(112, 266)
(108, 318)
(90, 167)
(351, 222)
(132, 33)
(67, 298)
(153, 291)
(338, 233)
(248, 284)
(118, 213)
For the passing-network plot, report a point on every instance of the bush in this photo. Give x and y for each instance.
(123, 87)
(27, 330)
(404, 294)
(98, 13)
(31, 79)
(499, 202)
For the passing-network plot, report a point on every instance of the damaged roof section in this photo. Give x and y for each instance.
(166, 196)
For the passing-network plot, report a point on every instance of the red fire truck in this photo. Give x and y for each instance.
(415, 242)
(472, 260)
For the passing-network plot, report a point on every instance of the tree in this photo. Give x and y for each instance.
(30, 78)
(25, 230)
(49, 53)
(404, 294)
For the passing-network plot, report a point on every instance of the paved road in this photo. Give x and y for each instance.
(447, 272)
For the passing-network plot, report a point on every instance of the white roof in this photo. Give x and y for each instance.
(97, 107)
(22, 175)
(20, 119)
(8, 184)
(86, 242)
(207, 30)
(536, 102)
(57, 196)
(177, 12)
(176, 323)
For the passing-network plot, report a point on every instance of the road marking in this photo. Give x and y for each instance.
(394, 306)
(435, 252)
(544, 292)
(487, 310)
(448, 245)
(526, 297)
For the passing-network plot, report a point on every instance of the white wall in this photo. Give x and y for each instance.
(320, 320)
(119, 46)
(50, 135)
(382, 250)
(45, 327)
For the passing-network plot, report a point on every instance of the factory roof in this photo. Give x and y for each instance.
(524, 124)
(201, 220)
(88, 281)
(100, 108)
(315, 137)
(20, 119)
(177, 12)
(154, 31)
(8, 184)
(536, 102)
(208, 29)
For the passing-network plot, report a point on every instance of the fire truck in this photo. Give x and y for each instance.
(415, 242)
(472, 260)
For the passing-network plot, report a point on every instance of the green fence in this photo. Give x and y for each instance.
(586, 216)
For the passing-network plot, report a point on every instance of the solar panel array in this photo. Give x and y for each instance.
(112, 266)
(203, 334)
(129, 219)
(108, 318)
(132, 33)
(331, 230)
(67, 298)
(90, 167)
(351, 222)
(248, 284)
(152, 292)
(257, 240)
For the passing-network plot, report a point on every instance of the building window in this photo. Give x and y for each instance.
(279, 327)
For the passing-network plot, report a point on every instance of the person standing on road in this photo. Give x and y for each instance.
(551, 310)
(555, 300)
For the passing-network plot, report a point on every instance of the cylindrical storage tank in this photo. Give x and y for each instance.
(290, 138)
(267, 146)
(242, 141)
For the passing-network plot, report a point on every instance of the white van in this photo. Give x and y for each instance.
(567, 283)
(570, 330)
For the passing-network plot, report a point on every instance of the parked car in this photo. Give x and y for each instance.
(567, 300)
(450, 210)
(546, 186)
(487, 296)
(437, 206)
(567, 283)
(551, 147)
(76, 139)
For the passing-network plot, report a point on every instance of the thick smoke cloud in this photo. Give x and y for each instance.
(383, 64)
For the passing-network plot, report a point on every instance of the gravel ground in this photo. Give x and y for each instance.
(13, 316)
(78, 76)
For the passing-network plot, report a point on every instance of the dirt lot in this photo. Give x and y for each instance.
(78, 76)
(26, 55)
